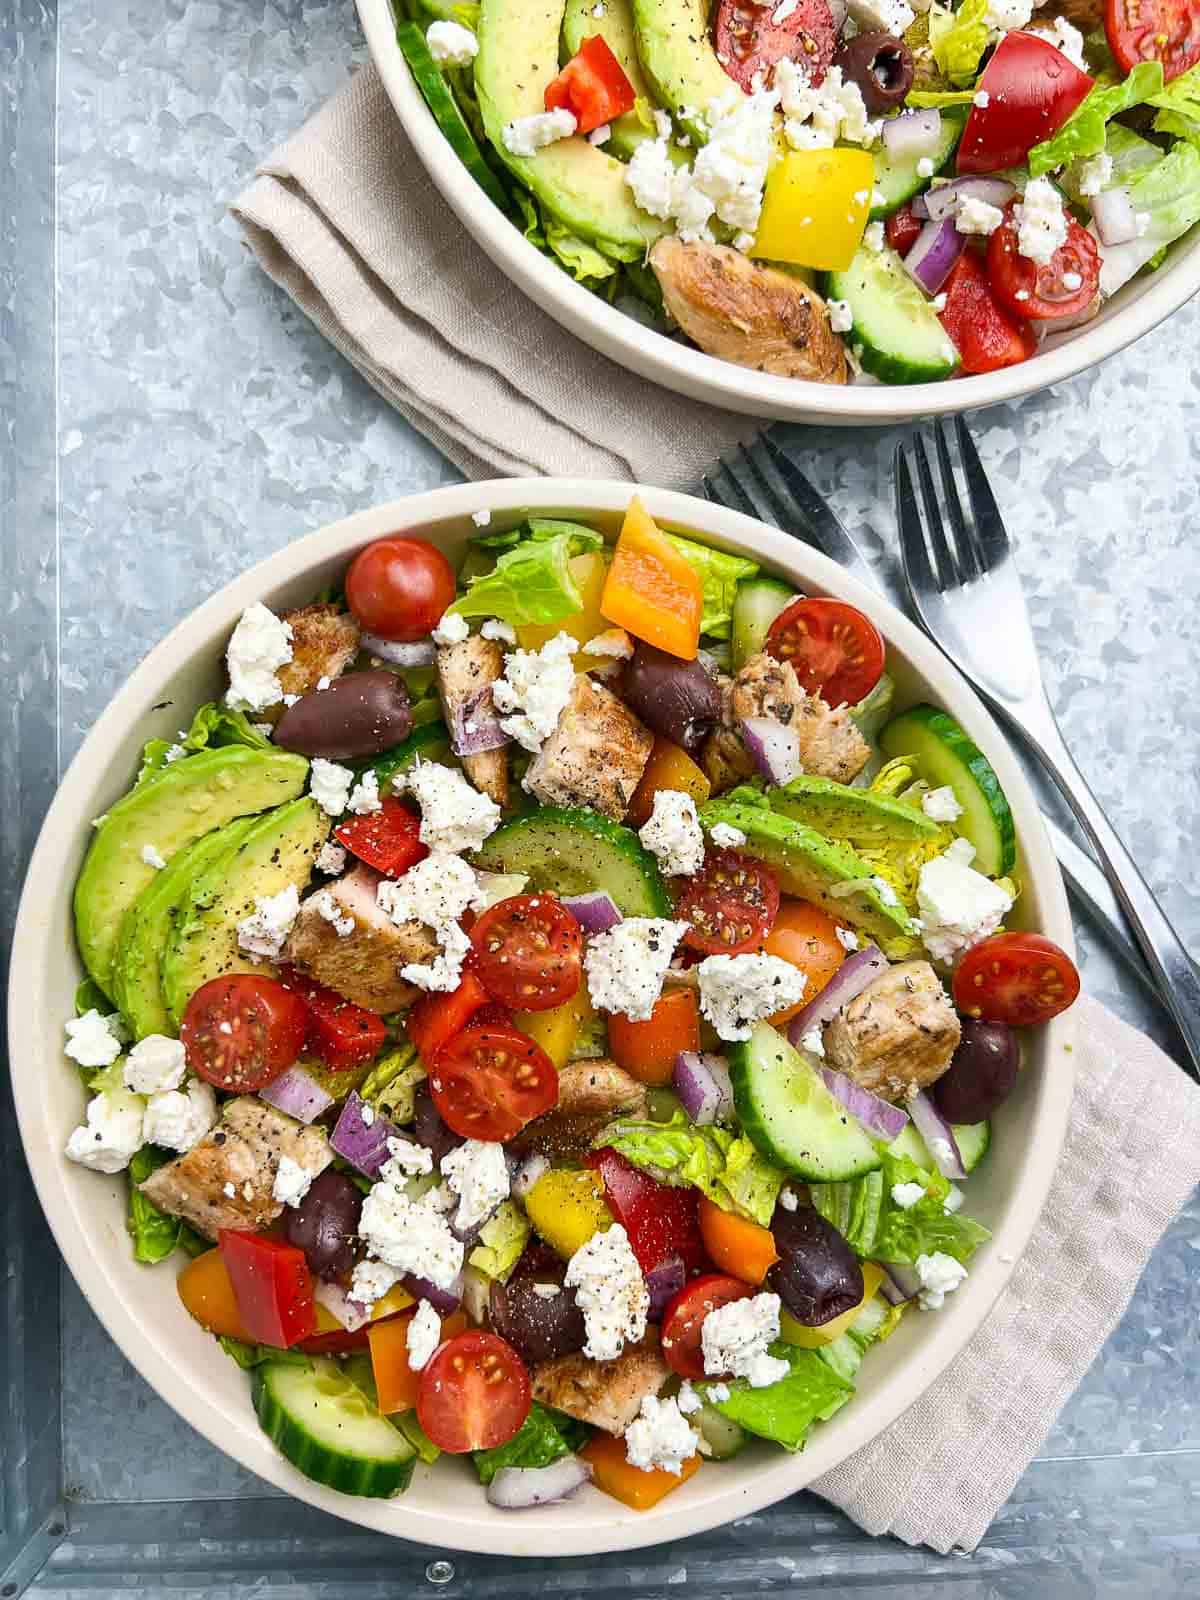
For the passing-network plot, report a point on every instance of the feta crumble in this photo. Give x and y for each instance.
(600, 135)
(450, 44)
(726, 837)
(406, 1159)
(455, 816)
(882, 16)
(941, 805)
(112, 1135)
(626, 965)
(371, 1280)
(958, 905)
(873, 236)
(906, 1195)
(818, 117)
(847, 938)
(423, 1336)
(411, 1236)
(688, 1401)
(155, 1063)
(841, 318)
(478, 1174)
(331, 858)
(735, 1339)
(977, 216)
(265, 931)
(939, 1275)
(738, 991)
(982, 99)
(1041, 221)
(814, 1042)
(436, 891)
(673, 833)
(954, 1199)
(660, 1437)
(1094, 175)
(527, 135)
(152, 857)
(1064, 36)
(788, 1199)
(613, 643)
(261, 642)
(292, 1182)
(481, 519)
(499, 632)
(452, 629)
(610, 1291)
(329, 783)
(925, 167)
(364, 798)
(325, 905)
(534, 689)
(177, 1119)
(92, 1040)
(1005, 15)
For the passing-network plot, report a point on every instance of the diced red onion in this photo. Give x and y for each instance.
(352, 1314)
(418, 653)
(475, 725)
(1114, 216)
(918, 207)
(850, 979)
(520, 1488)
(702, 1083)
(297, 1094)
(532, 1169)
(443, 1301)
(664, 1282)
(774, 749)
(595, 912)
(880, 1118)
(945, 199)
(938, 1135)
(934, 253)
(900, 1283)
(912, 133)
(362, 1141)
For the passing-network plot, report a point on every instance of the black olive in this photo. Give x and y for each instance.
(674, 698)
(982, 1072)
(816, 1276)
(882, 67)
(324, 1224)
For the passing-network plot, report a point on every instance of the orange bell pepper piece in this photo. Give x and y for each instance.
(633, 1486)
(736, 1244)
(206, 1289)
(648, 1049)
(652, 590)
(669, 767)
(394, 1379)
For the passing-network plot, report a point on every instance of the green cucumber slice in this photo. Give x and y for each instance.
(944, 755)
(897, 180)
(724, 1437)
(896, 327)
(791, 1117)
(327, 1428)
(567, 851)
(428, 78)
(972, 1139)
(755, 606)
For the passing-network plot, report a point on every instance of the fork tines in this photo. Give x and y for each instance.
(946, 558)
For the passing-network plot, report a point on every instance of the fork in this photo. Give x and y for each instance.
(965, 588)
(764, 482)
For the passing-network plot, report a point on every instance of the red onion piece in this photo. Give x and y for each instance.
(774, 749)
(418, 653)
(880, 1118)
(362, 1141)
(475, 726)
(443, 1301)
(352, 1314)
(664, 1282)
(938, 1135)
(945, 199)
(900, 1283)
(702, 1083)
(850, 979)
(912, 133)
(918, 207)
(533, 1168)
(934, 254)
(1114, 216)
(297, 1094)
(520, 1488)
(595, 912)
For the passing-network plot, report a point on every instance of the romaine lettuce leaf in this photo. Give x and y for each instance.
(875, 1227)
(1166, 199)
(723, 1164)
(959, 38)
(543, 1437)
(248, 1356)
(532, 582)
(1083, 133)
(155, 1234)
(720, 574)
(582, 260)
(1179, 101)
(501, 1241)
(1129, 153)
(938, 99)
(785, 1411)
(388, 1087)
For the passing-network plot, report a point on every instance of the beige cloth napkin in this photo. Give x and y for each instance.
(345, 219)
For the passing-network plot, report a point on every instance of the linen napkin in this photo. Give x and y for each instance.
(345, 219)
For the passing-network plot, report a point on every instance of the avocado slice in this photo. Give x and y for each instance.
(278, 850)
(146, 926)
(855, 815)
(169, 812)
(616, 28)
(577, 183)
(811, 867)
(677, 56)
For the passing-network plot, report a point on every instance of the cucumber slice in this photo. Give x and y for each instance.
(901, 339)
(724, 1437)
(327, 1428)
(788, 1113)
(428, 78)
(566, 851)
(945, 755)
(897, 179)
(972, 1139)
(755, 606)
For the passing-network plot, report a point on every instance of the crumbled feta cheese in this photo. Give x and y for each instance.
(527, 135)
(423, 1336)
(1094, 175)
(155, 1063)
(366, 1114)
(873, 236)
(292, 1182)
(673, 833)
(613, 642)
(411, 1236)
(455, 816)
(1041, 221)
(364, 798)
(261, 642)
(954, 1199)
(175, 753)
(788, 1199)
(625, 967)
(500, 632)
(331, 858)
(481, 519)
(326, 906)
(598, 10)
(783, 11)
(925, 167)
(731, 169)
(371, 1280)
(1072, 281)
(452, 629)
(939, 1275)
(436, 891)
(600, 135)
(885, 891)
(882, 16)
(152, 857)
(113, 1134)
(738, 991)
(1064, 36)
(92, 1040)
(847, 938)
(938, 303)
(329, 784)
(982, 99)
(229, 1190)
(977, 216)
(818, 117)
(660, 1437)
(265, 931)
(1005, 15)
(906, 1195)
(478, 1174)
(814, 1042)
(735, 1340)
(610, 1291)
(650, 173)
(841, 318)
(958, 905)
(450, 44)
(718, 1393)
(727, 837)
(534, 689)
(177, 1119)
(941, 805)
(687, 1399)
(407, 1159)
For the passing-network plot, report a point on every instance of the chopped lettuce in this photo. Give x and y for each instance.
(531, 583)
(155, 1235)
(501, 1241)
(213, 725)
(89, 996)
(388, 1087)
(720, 575)
(543, 1437)
(582, 260)
(875, 1227)
(938, 99)
(959, 38)
(725, 1165)
(786, 1410)
(1083, 133)
(1179, 103)
(248, 1356)
(1166, 200)
(416, 1436)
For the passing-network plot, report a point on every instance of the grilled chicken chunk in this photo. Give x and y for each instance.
(590, 1095)
(1086, 15)
(364, 963)
(898, 1035)
(756, 316)
(595, 756)
(608, 1394)
(241, 1153)
(324, 643)
(830, 744)
(465, 673)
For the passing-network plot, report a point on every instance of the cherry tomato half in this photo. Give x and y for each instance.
(399, 587)
(806, 937)
(528, 952)
(683, 1320)
(242, 1031)
(1029, 90)
(436, 1017)
(1154, 30)
(902, 230)
(749, 40)
(490, 1080)
(836, 651)
(730, 904)
(1066, 285)
(474, 1393)
(1018, 978)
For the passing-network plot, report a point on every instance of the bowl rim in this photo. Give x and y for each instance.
(722, 383)
(86, 1246)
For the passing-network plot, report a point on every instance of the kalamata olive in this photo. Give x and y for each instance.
(982, 1072)
(677, 699)
(882, 67)
(816, 1276)
(359, 714)
(324, 1224)
(428, 1127)
(538, 1316)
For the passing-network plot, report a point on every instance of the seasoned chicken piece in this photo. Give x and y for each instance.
(594, 757)
(241, 1153)
(362, 963)
(465, 674)
(590, 1095)
(756, 316)
(1086, 15)
(830, 743)
(324, 643)
(898, 1035)
(724, 757)
(608, 1394)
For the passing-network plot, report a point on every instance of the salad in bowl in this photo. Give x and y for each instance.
(872, 191)
(552, 1012)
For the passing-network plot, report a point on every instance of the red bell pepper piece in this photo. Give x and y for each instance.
(388, 839)
(660, 1219)
(592, 86)
(272, 1286)
(986, 336)
(340, 1034)
(436, 1018)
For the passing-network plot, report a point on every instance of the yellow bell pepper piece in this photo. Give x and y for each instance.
(556, 1030)
(793, 1332)
(815, 208)
(589, 572)
(567, 1208)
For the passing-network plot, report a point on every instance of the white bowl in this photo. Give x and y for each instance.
(139, 1306)
(1140, 306)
